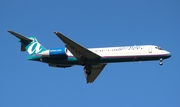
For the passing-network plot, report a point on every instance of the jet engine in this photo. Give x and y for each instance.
(56, 52)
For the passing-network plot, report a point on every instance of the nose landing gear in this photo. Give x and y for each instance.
(161, 62)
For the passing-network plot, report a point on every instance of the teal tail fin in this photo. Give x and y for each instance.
(29, 44)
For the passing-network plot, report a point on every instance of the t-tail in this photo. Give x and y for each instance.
(29, 44)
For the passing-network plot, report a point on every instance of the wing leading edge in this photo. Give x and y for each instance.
(77, 50)
(83, 55)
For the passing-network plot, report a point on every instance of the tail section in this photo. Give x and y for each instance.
(33, 47)
(29, 44)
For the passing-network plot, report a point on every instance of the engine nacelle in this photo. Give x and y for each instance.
(56, 52)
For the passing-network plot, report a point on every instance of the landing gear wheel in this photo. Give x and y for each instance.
(87, 70)
(161, 62)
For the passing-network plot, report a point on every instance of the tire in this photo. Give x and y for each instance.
(88, 72)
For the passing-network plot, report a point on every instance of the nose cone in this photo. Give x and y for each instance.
(168, 54)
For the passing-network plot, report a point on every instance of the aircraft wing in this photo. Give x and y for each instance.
(79, 52)
(95, 71)
(82, 54)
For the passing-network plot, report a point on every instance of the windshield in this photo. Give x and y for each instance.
(158, 48)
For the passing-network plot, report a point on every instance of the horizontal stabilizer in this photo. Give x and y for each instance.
(21, 37)
(29, 44)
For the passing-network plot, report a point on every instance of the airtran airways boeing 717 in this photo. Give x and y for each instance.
(93, 59)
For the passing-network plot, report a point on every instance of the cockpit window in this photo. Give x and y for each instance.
(158, 48)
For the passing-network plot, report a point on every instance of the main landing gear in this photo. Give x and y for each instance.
(161, 62)
(87, 70)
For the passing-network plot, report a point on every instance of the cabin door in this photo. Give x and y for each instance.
(150, 49)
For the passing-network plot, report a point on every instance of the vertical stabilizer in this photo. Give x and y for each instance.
(33, 47)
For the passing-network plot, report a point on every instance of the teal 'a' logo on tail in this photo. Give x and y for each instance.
(33, 47)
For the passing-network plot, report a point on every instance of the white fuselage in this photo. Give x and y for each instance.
(112, 55)
(143, 50)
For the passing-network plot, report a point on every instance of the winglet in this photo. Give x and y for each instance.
(21, 37)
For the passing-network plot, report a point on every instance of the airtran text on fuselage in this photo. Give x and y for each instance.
(130, 47)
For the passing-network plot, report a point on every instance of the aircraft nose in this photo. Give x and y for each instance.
(168, 54)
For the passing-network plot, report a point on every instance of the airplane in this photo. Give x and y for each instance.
(93, 59)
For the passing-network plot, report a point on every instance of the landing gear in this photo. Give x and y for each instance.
(161, 62)
(87, 70)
